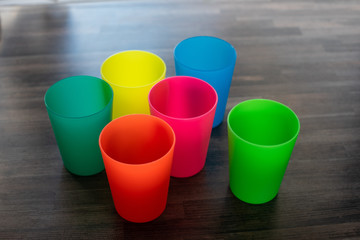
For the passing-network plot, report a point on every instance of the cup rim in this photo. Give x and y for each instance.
(204, 70)
(273, 102)
(164, 123)
(72, 78)
(183, 118)
(132, 87)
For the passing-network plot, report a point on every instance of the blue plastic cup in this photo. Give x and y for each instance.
(210, 59)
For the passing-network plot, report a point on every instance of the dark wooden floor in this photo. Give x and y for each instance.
(305, 54)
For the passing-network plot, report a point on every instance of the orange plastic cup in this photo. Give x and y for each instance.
(138, 150)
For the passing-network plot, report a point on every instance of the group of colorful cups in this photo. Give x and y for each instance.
(144, 128)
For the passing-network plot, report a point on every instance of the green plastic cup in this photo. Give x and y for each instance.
(262, 134)
(79, 107)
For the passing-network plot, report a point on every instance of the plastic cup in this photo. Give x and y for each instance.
(131, 74)
(262, 134)
(138, 150)
(79, 107)
(210, 59)
(188, 104)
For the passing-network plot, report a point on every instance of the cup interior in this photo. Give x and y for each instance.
(205, 53)
(182, 97)
(263, 122)
(137, 139)
(78, 96)
(133, 69)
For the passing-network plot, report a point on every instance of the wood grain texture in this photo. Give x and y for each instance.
(305, 54)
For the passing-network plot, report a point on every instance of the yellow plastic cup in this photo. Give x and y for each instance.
(131, 74)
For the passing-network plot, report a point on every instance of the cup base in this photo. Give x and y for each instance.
(85, 174)
(217, 124)
(141, 219)
(252, 201)
(184, 175)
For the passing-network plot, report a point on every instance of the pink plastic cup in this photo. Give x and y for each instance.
(188, 104)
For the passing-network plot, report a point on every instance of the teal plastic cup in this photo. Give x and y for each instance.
(79, 107)
(261, 137)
